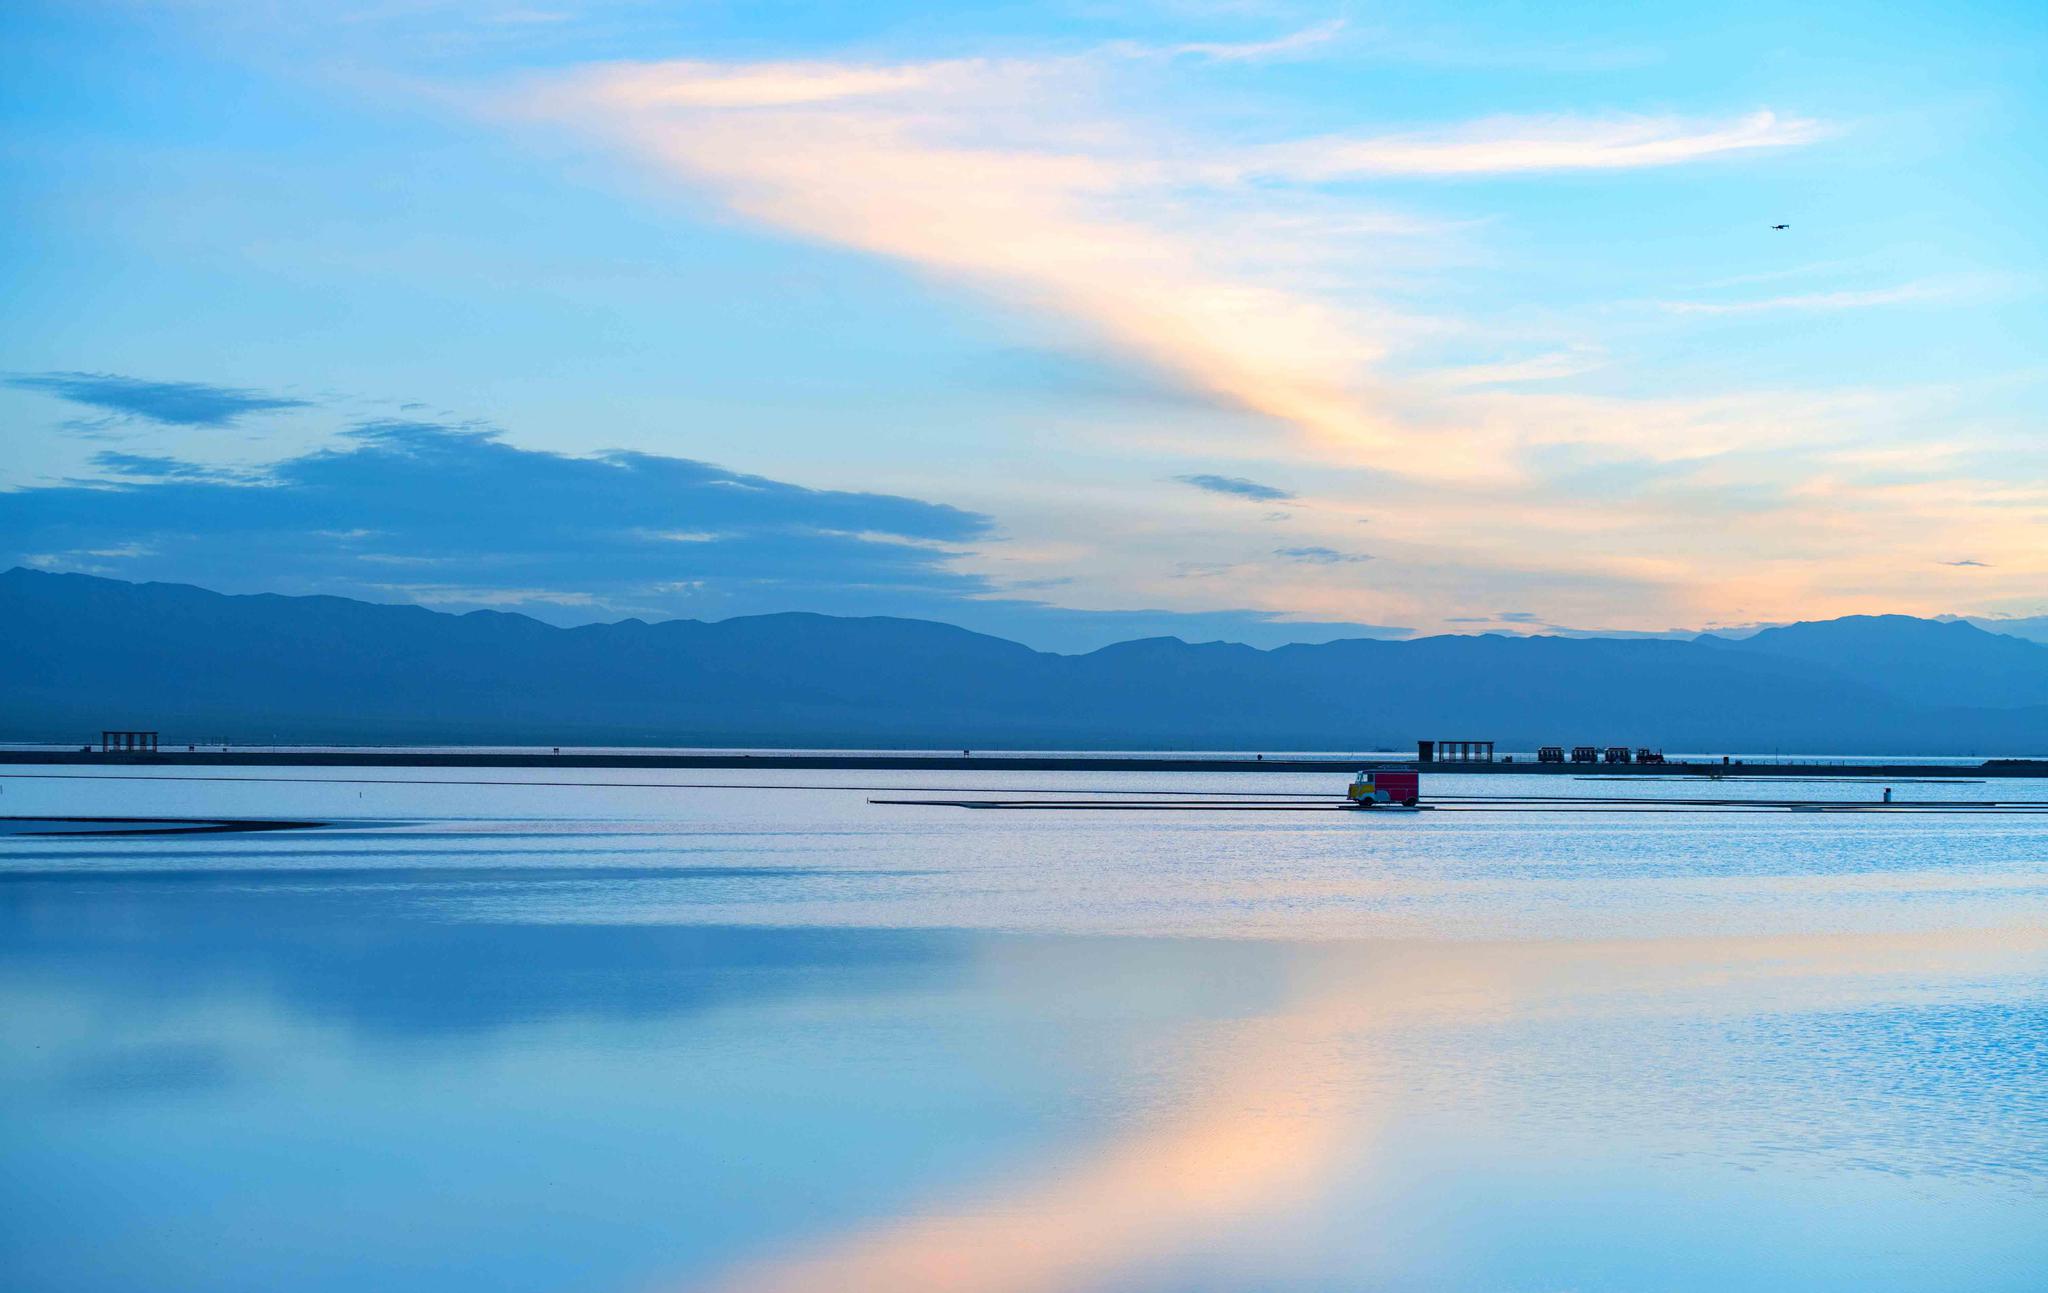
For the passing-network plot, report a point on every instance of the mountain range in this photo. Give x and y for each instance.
(80, 653)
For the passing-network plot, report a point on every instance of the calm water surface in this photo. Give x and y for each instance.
(594, 1037)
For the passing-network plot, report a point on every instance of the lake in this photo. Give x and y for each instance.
(756, 1032)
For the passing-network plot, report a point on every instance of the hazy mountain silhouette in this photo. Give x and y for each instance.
(1943, 663)
(81, 653)
(2034, 628)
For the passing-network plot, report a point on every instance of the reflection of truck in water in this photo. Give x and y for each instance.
(1386, 786)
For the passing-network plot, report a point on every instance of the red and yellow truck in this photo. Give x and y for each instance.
(1376, 786)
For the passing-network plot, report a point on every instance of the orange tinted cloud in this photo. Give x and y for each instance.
(1218, 265)
(1002, 175)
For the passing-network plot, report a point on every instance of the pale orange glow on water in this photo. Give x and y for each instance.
(1278, 1103)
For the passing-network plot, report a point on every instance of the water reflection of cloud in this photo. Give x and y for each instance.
(378, 954)
(125, 1070)
(1262, 1137)
(1273, 1106)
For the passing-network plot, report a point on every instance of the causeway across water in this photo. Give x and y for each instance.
(387, 757)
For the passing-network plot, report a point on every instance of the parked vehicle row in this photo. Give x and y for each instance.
(1594, 754)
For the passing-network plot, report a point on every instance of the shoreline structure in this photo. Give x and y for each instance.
(998, 762)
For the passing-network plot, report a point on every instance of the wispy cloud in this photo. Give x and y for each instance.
(1868, 298)
(1294, 42)
(1254, 274)
(480, 513)
(1195, 257)
(1516, 145)
(768, 85)
(1236, 485)
(196, 404)
(457, 517)
(159, 467)
(1985, 565)
(1551, 367)
(1321, 556)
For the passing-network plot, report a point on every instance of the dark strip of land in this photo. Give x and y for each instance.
(387, 758)
(77, 827)
(1609, 807)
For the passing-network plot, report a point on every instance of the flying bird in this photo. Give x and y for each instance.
(1781, 226)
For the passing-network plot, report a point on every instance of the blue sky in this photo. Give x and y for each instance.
(1067, 322)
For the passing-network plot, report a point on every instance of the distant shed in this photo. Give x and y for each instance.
(1454, 751)
(113, 742)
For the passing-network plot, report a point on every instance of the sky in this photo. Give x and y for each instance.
(1071, 322)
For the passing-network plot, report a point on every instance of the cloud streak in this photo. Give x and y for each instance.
(1521, 146)
(159, 467)
(1237, 486)
(441, 514)
(1006, 175)
(1254, 273)
(1321, 556)
(458, 518)
(1870, 298)
(1260, 50)
(187, 404)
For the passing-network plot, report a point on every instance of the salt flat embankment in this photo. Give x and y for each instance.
(1006, 762)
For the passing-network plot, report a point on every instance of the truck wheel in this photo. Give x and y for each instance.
(1409, 802)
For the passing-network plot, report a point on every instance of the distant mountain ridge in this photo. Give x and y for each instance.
(2034, 628)
(80, 653)
(1953, 661)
